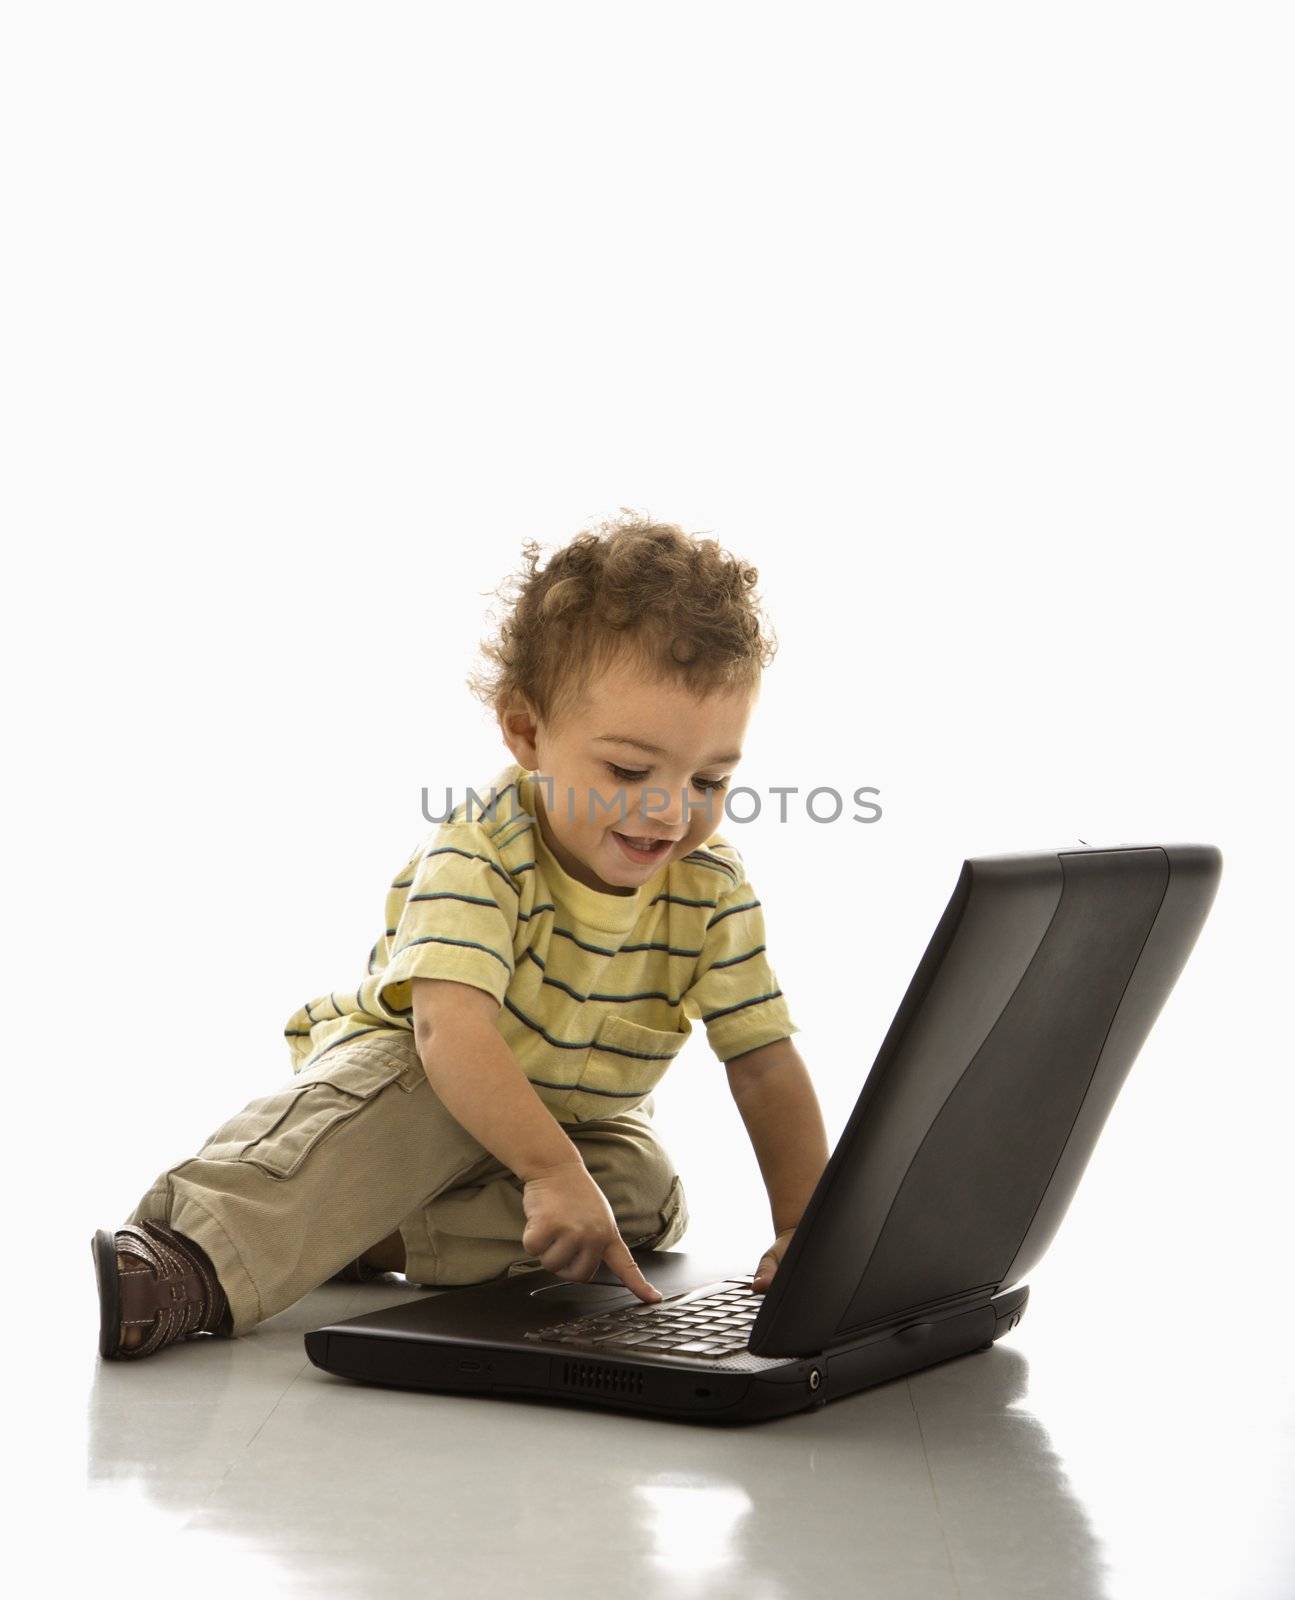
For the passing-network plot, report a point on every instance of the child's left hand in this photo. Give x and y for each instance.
(771, 1259)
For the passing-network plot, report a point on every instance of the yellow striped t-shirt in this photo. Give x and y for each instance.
(596, 990)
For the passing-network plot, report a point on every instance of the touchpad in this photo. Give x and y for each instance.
(579, 1296)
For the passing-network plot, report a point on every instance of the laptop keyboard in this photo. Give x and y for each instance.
(712, 1321)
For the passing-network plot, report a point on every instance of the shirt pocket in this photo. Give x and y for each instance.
(625, 1063)
(278, 1131)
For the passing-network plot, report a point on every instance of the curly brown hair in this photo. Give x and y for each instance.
(680, 605)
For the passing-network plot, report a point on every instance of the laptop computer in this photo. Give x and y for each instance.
(970, 1135)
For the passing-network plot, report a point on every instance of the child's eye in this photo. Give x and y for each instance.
(626, 776)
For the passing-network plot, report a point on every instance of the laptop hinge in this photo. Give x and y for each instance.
(925, 1311)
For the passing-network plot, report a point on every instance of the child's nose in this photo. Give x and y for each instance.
(673, 811)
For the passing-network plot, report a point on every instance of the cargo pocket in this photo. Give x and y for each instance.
(624, 1065)
(674, 1221)
(277, 1132)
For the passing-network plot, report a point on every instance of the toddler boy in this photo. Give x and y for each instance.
(481, 1102)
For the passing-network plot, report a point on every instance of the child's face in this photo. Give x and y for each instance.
(699, 742)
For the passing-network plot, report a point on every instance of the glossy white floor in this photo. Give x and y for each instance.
(1133, 1442)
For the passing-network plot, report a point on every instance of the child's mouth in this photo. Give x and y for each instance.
(634, 848)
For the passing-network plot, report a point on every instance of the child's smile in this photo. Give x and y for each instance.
(640, 848)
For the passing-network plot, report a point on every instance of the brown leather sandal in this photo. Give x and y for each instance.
(173, 1291)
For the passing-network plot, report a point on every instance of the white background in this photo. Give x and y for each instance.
(970, 326)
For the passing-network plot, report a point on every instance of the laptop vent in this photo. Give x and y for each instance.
(604, 1379)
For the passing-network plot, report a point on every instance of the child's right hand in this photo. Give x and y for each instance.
(572, 1229)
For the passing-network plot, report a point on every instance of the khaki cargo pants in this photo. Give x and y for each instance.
(360, 1146)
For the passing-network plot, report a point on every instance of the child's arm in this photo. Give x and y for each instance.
(454, 1026)
(774, 1093)
(570, 1226)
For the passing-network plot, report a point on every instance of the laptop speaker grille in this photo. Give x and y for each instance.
(603, 1379)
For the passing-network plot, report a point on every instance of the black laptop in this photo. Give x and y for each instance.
(968, 1140)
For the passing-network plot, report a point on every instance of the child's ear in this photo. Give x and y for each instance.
(518, 724)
